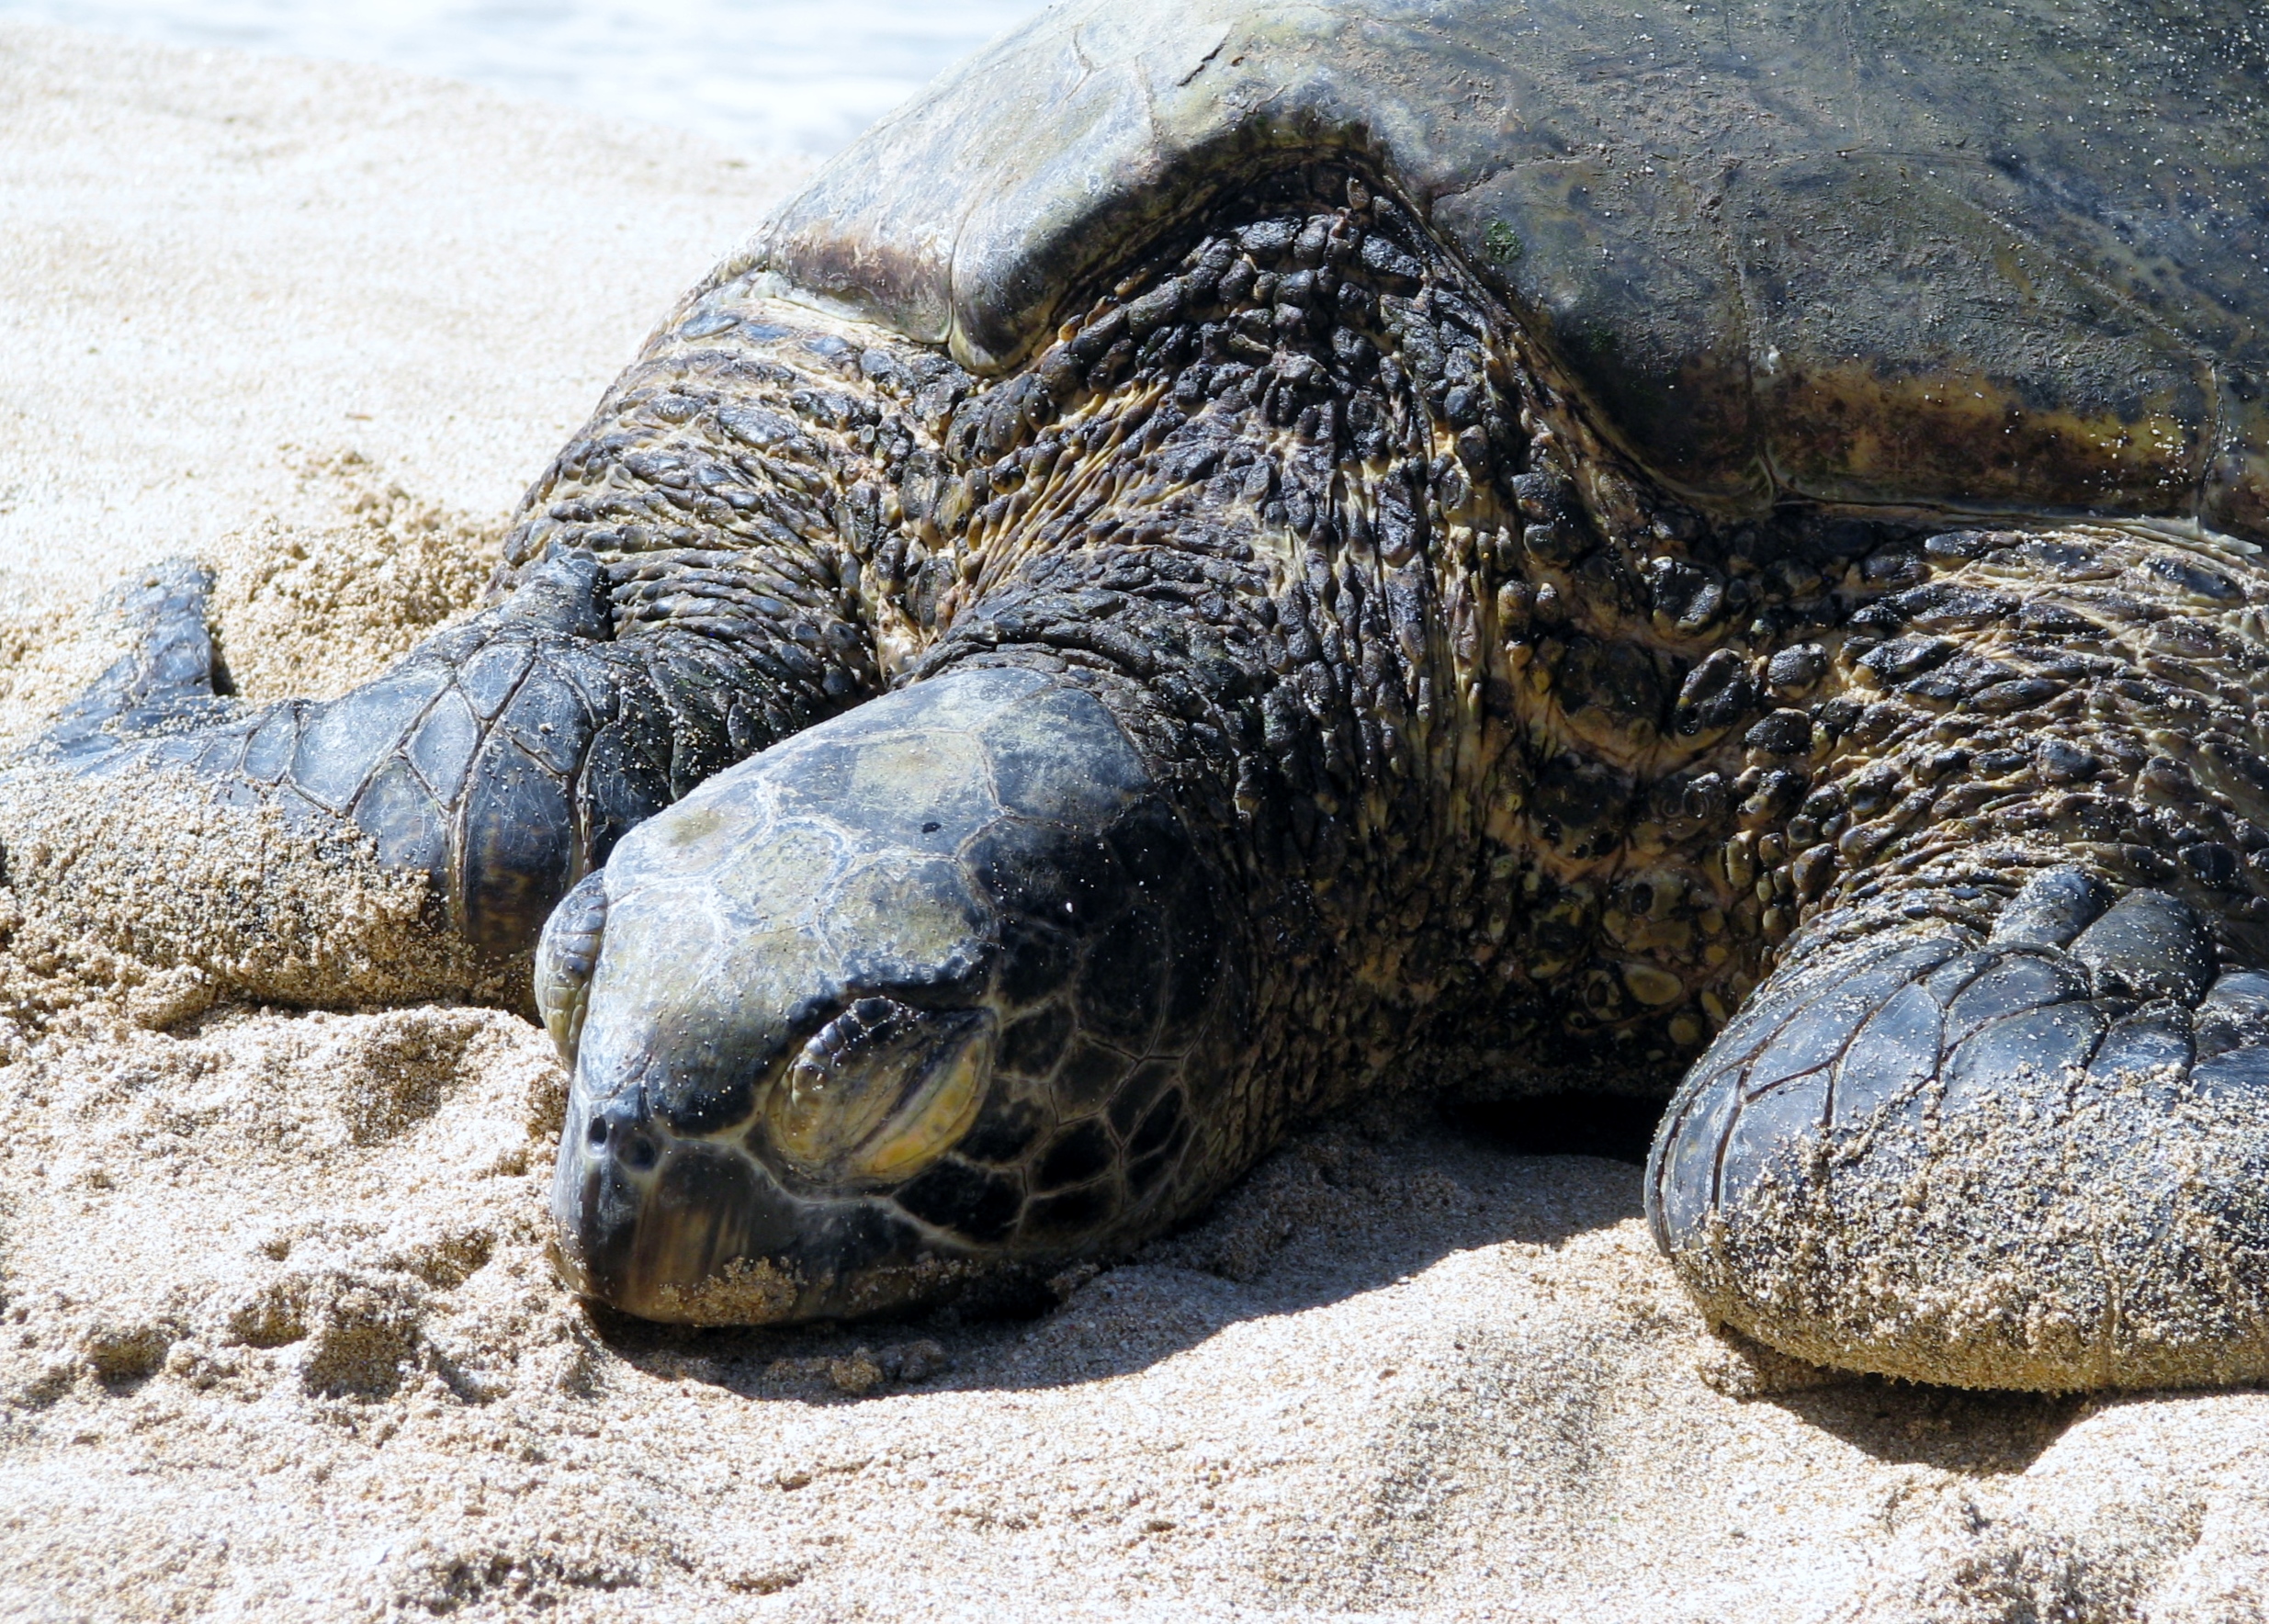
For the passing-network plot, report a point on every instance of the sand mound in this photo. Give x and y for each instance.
(277, 1336)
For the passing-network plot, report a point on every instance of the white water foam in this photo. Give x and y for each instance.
(755, 75)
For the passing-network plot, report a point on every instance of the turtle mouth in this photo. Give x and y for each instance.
(783, 1214)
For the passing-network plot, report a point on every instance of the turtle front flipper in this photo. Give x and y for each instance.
(702, 572)
(2035, 1159)
(407, 838)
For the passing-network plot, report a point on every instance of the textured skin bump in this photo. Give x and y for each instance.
(1327, 645)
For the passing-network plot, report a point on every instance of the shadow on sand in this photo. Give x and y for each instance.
(1946, 1428)
(1352, 1205)
(1387, 1190)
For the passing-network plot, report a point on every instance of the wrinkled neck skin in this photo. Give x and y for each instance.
(1517, 770)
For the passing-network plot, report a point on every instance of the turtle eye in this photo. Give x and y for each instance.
(880, 1092)
(565, 954)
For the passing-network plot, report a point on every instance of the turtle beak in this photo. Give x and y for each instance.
(672, 1229)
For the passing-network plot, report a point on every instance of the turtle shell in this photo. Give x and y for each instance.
(1919, 251)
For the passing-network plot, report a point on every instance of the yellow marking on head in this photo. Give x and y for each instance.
(933, 1123)
(880, 1116)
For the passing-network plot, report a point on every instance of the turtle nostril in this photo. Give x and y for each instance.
(595, 1131)
(639, 1153)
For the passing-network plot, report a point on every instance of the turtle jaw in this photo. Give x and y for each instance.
(654, 1226)
(701, 1236)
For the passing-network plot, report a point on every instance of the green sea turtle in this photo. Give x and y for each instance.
(1235, 551)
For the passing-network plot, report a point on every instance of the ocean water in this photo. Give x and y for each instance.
(756, 75)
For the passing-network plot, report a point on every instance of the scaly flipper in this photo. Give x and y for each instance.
(2035, 1160)
(690, 582)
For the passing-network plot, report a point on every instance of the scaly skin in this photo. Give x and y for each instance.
(1478, 747)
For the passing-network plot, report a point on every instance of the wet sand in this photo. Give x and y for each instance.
(276, 1337)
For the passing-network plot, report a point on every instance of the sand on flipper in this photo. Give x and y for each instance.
(278, 1338)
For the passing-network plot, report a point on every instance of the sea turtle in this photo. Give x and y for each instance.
(1244, 551)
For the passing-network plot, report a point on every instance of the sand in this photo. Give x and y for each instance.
(277, 1338)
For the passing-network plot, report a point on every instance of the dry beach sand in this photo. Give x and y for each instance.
(277, 1340)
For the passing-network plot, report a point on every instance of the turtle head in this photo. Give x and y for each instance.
(905, 1000)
